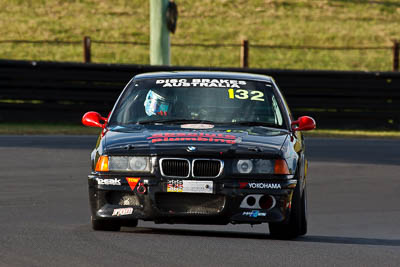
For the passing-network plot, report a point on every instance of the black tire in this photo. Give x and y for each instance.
(104, 225)
(304, 214)
(297, 224)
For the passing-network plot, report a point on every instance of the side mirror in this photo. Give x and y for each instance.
(92, 119)
(304, 123)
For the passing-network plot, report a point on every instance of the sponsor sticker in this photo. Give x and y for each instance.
(175, 186)
(260, 185)
(132, 181)
(189, 186)
(197, 126)
(122, 211)
(254, 214)
(218, 83)
(114, 181)
(198, 137)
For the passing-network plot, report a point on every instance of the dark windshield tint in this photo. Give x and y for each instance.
(190, 99)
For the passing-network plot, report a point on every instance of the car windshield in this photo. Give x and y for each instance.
(198, 100)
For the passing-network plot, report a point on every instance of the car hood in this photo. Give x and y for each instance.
(177, 141)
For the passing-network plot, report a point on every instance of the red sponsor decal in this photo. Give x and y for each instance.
(243, 185)
(132, 181)
(162, 113)
(200, 137)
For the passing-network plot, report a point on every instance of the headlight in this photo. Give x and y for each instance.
(264, 166)
(124, 164)
(244, 166)
(260, 166)
(139, 164)
(118, 163)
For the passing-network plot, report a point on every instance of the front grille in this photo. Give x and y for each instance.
(175, 167)
(206, 168)
(189, 203)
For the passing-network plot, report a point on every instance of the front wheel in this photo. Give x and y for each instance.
(297, 224)
(303, 229)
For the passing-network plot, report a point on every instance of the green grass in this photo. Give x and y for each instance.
(60, 129)
(353, 133)
(46, 128)
(273, 22)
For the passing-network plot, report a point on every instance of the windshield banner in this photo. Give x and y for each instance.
(201, 83)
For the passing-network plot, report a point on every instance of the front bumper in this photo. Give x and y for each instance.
(201, 201)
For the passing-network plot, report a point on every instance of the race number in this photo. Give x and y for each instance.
(245, 94)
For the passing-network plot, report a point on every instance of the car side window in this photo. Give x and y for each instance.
(277, 111)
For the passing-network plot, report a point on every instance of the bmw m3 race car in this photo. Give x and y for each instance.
(200, 148)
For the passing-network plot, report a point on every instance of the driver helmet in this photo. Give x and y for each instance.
(155, 104)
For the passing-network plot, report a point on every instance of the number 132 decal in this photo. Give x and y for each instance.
(244, 94)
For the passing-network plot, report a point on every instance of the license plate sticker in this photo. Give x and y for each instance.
(190, 186)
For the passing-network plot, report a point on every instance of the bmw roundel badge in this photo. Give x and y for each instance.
(191, 149)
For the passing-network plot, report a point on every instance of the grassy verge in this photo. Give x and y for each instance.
(39, 128)
(60, 129)
(354, 133)
(272, 22)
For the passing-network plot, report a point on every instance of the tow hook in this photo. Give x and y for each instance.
(141, 189)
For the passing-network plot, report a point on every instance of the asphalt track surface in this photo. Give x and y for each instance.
(354, 214)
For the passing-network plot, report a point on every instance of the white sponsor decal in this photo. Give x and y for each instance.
(201, 83)
(122, 211)
(114, 181)
(264, 186)
(254, 214)
(178, 186)
(197, 126)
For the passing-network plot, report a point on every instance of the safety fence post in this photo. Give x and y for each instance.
(244, 54)
(395, 55)
(86, 49)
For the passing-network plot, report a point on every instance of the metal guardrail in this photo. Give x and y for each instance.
(62, 92)
(244, 47)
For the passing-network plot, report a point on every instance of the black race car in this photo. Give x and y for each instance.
(200, 148)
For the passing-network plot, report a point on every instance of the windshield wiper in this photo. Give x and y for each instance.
(257, 123)
(177, 121)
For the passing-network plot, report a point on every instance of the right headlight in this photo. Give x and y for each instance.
(260, 166)
(244, 166)
(124, 164)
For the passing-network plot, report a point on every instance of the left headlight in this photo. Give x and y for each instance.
(124, 164)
